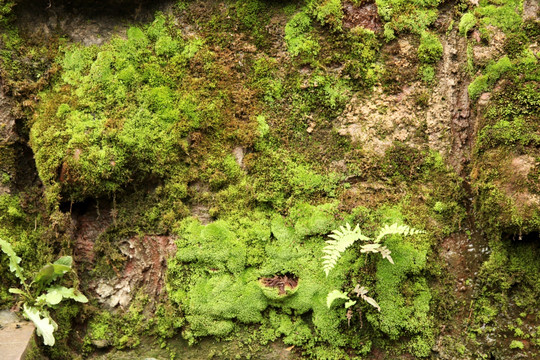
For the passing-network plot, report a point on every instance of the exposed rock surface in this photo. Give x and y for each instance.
(144, 270)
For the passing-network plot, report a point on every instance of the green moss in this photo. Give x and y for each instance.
(224, 297)
(311, 220)
(5, 11)
(297, 37)
(264, 78)
(515, 344)
(328, 12)
(427, 74)
(492, 73)
(402, 163)
(107, 139)
(278, 180)
(502, 14)
(401, 15)
(508, 133)
(430, 49)
(253, 16)
(515, 44)
(467, 22)
(396, 316)
(213, 246)
(295, 331)
(121, 115)
(119, 330)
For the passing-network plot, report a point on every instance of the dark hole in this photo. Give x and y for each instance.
(533, 236)
(78, 208)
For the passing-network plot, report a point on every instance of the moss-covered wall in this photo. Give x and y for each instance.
(217, 127)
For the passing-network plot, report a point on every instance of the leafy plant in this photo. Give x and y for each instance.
(341, 240)
(345, 237)
(40, 293)
(360, 292)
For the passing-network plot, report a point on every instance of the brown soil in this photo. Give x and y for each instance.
(366, 16)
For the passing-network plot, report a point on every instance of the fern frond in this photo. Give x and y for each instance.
(334, 295)
(386, 254)
(340, 241)
(361, 292)
(377, 248)
(372, 302)
(396, 229)
(374, 248)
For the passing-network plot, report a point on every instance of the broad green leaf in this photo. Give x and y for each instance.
(55, 295)
(45, 274)
(79, 296)
(44, 327)
(60, 269)
(64, 260)
(335, 294)
(14, 260)
(349, 303)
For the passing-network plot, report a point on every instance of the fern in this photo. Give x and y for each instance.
(396, 229)
(334, 295)
(378, 248)
(341, 240)
(361, 292)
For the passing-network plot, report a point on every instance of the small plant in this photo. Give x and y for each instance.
(360, 292)
(41, 292)
(345, 237)
(516, 344)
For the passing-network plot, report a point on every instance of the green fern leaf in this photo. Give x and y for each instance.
(340, 241)
(396, 229)
(334, 295)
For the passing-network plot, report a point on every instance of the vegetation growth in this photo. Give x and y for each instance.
(191, 172)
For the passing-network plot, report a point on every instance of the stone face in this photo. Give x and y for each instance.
(15, 336)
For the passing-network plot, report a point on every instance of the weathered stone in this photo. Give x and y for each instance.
(15, 336)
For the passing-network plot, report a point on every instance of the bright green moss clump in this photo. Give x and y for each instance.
(117, 116)
(403, 15)
(430, 49)
(120, 113)
(492, 73)
(467, 22)
(297, 37)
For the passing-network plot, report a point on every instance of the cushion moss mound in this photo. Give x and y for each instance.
(119, 114)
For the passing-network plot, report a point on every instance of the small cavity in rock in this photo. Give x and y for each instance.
(280, 282)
